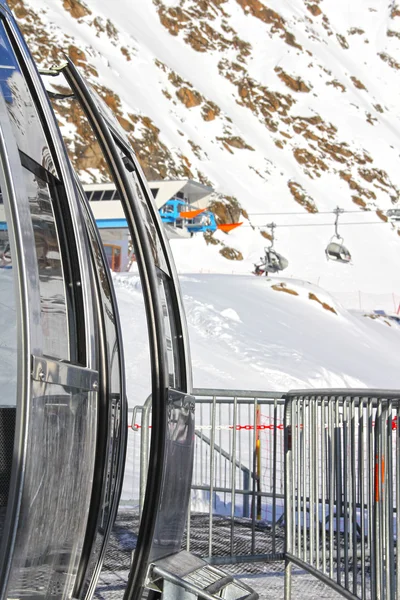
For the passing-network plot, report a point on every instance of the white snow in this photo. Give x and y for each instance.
(245, 334)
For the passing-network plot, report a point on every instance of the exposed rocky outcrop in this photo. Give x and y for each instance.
(294, 83)
(358, 84)
(282, 287)
(231, 253)
(323, 304)
(392, 62)
(301, 197)
(76, 8)
(314, 9)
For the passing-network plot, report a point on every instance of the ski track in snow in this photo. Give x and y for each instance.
(246, 335)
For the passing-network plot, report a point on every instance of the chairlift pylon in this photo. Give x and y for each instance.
(272, 262)
(336, 250)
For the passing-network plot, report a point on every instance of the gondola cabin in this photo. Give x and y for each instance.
(63, 408)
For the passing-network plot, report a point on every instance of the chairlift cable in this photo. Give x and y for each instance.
(323, 212)
(318, 224)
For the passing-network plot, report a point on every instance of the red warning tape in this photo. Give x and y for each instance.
(238, 427)
(271, 427)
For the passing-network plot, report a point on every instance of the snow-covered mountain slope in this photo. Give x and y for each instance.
(267, 334)
(285, 106)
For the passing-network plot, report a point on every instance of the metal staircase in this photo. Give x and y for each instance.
(186, 577)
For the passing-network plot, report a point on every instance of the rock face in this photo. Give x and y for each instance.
(76, 8)
(240, 94)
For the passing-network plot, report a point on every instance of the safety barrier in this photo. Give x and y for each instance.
(239, 468)
(313, 477)
(341, 484)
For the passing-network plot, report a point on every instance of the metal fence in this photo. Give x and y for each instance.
(312, 478)
(239, 471)
(342, 481)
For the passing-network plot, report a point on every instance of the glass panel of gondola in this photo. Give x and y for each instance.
(112, 423)
(172, 433)
(56, 418)
(129, 292)
(171, 516)
(165, 284)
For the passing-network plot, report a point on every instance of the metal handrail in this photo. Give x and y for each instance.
(231, 394)
(222, 452)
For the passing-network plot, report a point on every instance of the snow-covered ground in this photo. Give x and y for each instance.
(263, 333)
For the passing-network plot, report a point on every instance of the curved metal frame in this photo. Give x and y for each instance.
(154, 319)
(64, 165)
(179, 312)
(11, 181)
(60, 156)
(30, 306)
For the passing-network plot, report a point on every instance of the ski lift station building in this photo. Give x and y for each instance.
(108, 211)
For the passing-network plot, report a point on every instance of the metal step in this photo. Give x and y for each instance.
(183, 576)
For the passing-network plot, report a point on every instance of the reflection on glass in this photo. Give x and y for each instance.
(147, 219)
(178, 463)
(8, 319)
(170, 333)
(53, 312)
(109, 409)
(25, 121)
(57, 489)
(113, 255)
(151, 228)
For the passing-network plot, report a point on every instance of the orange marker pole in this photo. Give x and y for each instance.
(258, 462)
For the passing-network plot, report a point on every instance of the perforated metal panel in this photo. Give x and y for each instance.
(7, 430)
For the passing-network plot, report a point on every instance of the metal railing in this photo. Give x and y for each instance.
(313, 476)
(341, 487)
(238, 469)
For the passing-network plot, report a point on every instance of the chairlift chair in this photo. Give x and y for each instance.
(273, 262)
(336, 251)
(393, 214)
